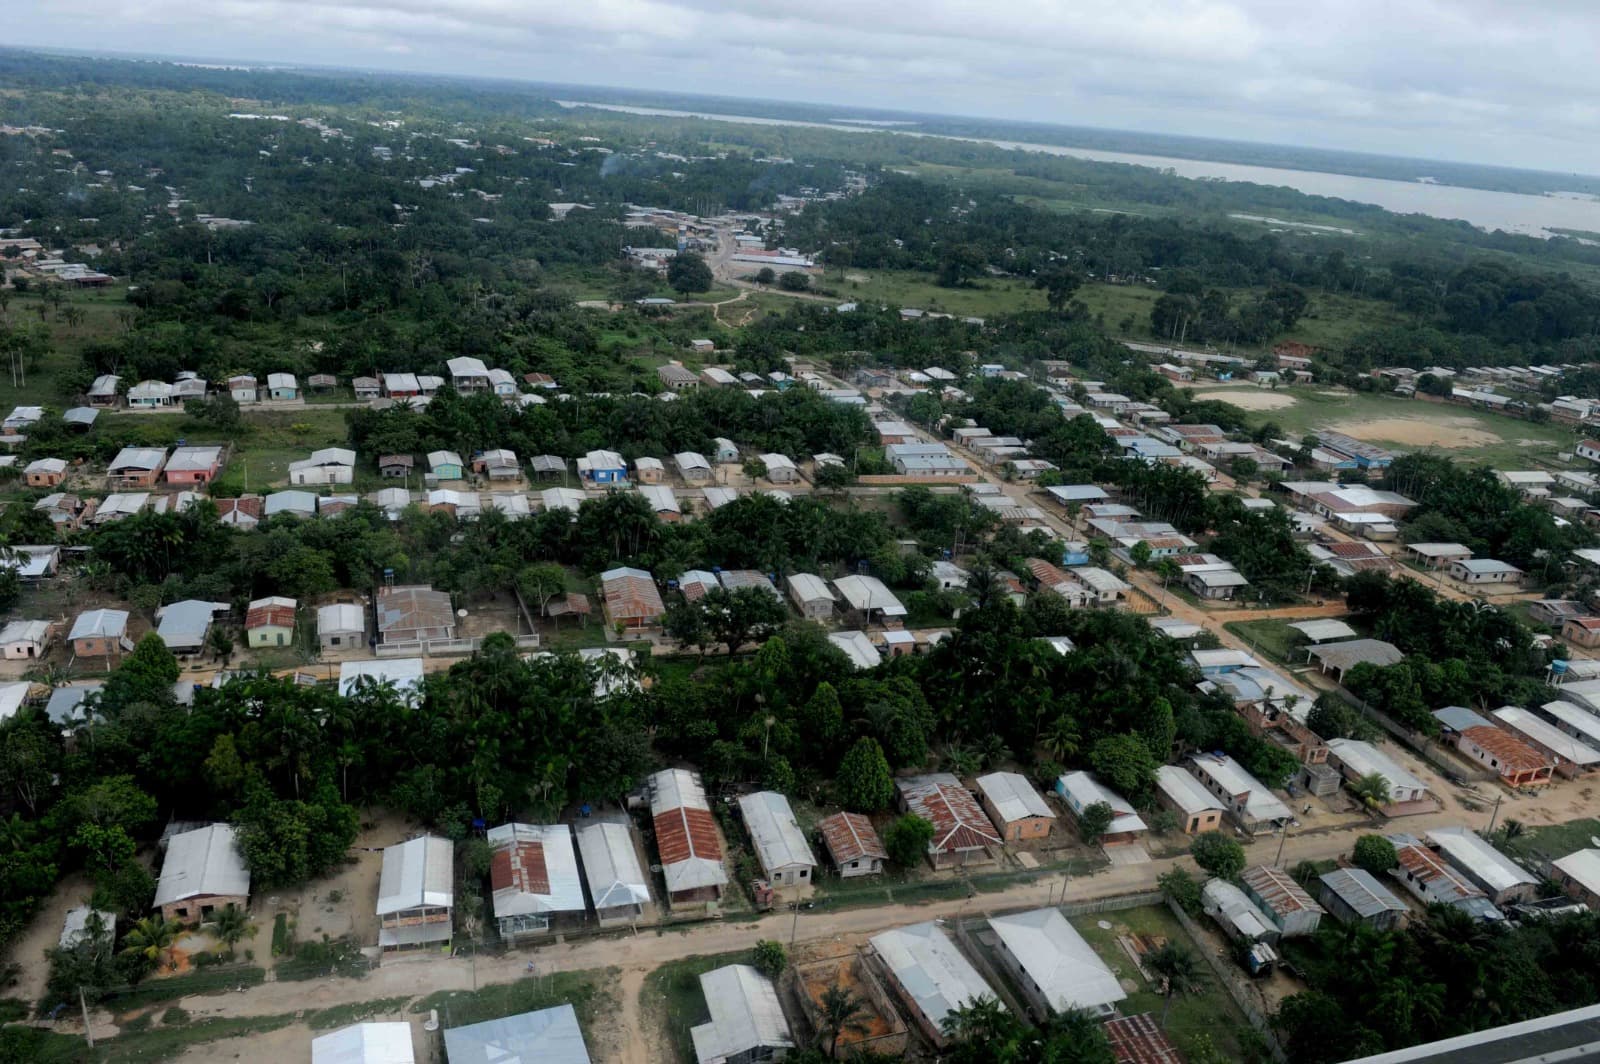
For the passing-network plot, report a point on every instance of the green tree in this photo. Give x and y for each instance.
(907, 839)
(842, 1013)
(541, 583)
(233, 925)
(865, 783)
(151, 940)
(794, 281)
(1217, 854)
(1372, 790)
(1374, 853)
(688, 272)
(1095, 820)
(770, 958)
(1124, 762)
(104, 848)
(1140, 554)
(1182, 888)
(1178, 969)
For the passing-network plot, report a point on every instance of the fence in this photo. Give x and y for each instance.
(428, 646)
(1242, 993)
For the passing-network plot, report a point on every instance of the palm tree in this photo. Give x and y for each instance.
(233, 925)
(1062, 738)
(842, 1011)
(1372, 790)
(1179, 970)
(151, 938)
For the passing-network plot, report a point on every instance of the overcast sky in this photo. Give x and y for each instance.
(1496, 81)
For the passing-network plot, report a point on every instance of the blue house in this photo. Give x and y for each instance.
(445, 465)
(603, 467)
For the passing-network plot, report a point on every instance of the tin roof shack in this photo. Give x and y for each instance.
(1431, 881)
(1198, 810)
(1578, 873)
(1355, 896)
(1246, 798)
(414, 613)
(1517, 763)
(1356, 760)
(365, 1043)
(747, 1022)
(928, 974)
(775, 834)
(341, 626)
(533, 872)
(136, 467)
(687, 840)
(617, 885)
(1081, 790)
(853, 845)
(328, 465)
(21, 640)
(869, 600)
(1237, 915)
(1017, 809)
(1139, 1039)
(811, 596)
(183, 626)
(962, 834)
(193, 465)
(548, 1036)
(1285, 903)
(100, 633)
(202, 872)
(1500, 878)
(631, 598)
(416, 894)
(1055, 968)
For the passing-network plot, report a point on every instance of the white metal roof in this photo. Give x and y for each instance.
(340, 617)
(467, 366)
(442, 458)
(869, 593)
(777, 461)
(416, 873)
(281, 380)
(930, 968)
(1486, 565)
(1083, 790)
(404, 673)
(289, 502)
(24, 632)
(1583, 867)
(1013, 797)
(365, 1043)
(1471, 854)
(184, 624)
(46, 465)
(1061, 964)
(1574, 717)
(1236, 909)
(1547, 735)
(200, 863)
(547, 1036)
(1364, 759)
(561, 499)
(611, 864)
(564, 891)
(856, 645)
(661, 498)
(1261, 804)
(687, 460)
(1321, 630)
(774, 831)
(138, 458)
(97, 624)
(1101, 581)
(12, 695)
(745, 1015)
(808, 587)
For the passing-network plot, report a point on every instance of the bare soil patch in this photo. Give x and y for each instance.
(1447, 432)
(1245, 399)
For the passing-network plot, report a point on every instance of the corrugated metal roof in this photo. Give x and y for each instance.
(1473, 855)
(533, 868)
(774, 831)
(686, 832)
(1061, 964)
(869, 593)
(548, 1036)
(404, 673)
(1082, 790)
(200, 863)
(1360, 890)
(1364, 759)
(1232, 907)
(631, 593)
(745, 1015)
(138, 458)
(1184, 791)
(1278, 891)
(1261, 803)
(611, 865)
(1013, 797)
(930, 968)
(851, 837)
(1547, 736)
(1442, 882)
(1139, 1040)
(1511, 752)
(96, 624)
(365, 1043)
(417, 873)
(808, 587)
(959, 822)
(856, 646)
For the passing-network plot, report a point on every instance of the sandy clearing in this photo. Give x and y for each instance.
(1447, 432)
(1248, 400)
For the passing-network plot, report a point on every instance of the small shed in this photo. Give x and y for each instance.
(341, 626)
(853, 845)
(1355, 896)
(1285, 902)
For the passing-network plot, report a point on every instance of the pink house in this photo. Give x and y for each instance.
(193, 465)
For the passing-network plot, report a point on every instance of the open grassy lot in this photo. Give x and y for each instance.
(908, 288)
(1548, 843)
(586, 992)
(1271, 638)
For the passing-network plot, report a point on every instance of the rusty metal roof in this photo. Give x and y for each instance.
(1278, 890)
(1139, 1040)
(959, 822)
(851, 837)
(1510, 751)
(630, 593)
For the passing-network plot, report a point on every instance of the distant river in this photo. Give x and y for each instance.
(1512, 211)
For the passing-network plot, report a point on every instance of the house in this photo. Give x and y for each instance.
(33, 564)
(810, 596)
(852, 844)
(244, 512)
(365, 388)
(1433, 882)
(150, 395)
(1573, 757)
(301, 504)
(1517, 763)
(183, 626)
(631, 598)
(780, 469)
(193, 465)
(366, 1043)
(649, 470)
(1355, 896)
(928, 974)
(66, 512)
(445, 465)
(1343, 656)
(925, 460)
(962, 833)
(1105, 586)
(747, 1024)
(100, 633)
(468, 374)
(570, 499)
(675, 378)
(1081, 790)
(322, 382)
(893, 432)
(327, 465)
(45, 472)
(1236, 914)
(727, 451)
(775, 835)
(617, 884)
(24, 640)
(497, 463)
(1357, 760)
(1284, 901)
(282, 386)
(545, 466)
(416, 894)
(1246, 798)
(269, 622)
(201, 873)
(1500, 878)
(692, 467)
(866, 597)
(533, 876)
(858, 648)
(503, 384)
(1578, 874)
(1197, 809)
(1054, 967)
(603, 467)
(1214, 581)
(545, 1036)
(399, 385)
(103, 392)
(1484, 571)
(136, 467)
(718, 377)
(395, 466)
(414, 613)
(1018, 810)
(1589, 449)
(341, 626)
(687, 841)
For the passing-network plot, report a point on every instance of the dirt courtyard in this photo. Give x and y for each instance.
(1250, 399)
(1447, 432)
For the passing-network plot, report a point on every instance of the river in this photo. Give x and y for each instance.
(1514, 212)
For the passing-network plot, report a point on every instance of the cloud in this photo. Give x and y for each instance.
(1481, 80)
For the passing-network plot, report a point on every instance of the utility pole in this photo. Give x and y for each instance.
(1283, 837)
(1496, 813)
(794, 924)
(88, 1032)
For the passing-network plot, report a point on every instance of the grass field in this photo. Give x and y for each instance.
(908, 288)
(1550, 842)
(671, 999)
(1271, 638)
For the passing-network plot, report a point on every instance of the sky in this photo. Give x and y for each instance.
(1507, 82)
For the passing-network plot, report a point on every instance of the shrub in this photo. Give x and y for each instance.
(1218, 854)
(770, 958)
(1374, 853)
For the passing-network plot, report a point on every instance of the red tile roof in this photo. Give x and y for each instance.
(1355, 550)
(246, 504)
(520, 866)
(1511, 752)
(1137, 1040)
(275, 616)
(850, 837)
(682, 834)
